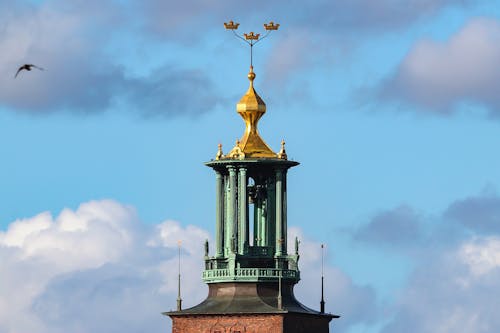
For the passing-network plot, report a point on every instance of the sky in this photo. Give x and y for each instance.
(392, 108)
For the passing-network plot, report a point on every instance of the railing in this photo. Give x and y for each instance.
(250, 274)
(215, 273)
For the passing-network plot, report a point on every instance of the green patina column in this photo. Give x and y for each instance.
(259, 220)
(243, 208)
(279, 212)
(219, 215)
(232, 210)
(270, 213)
(284, 234)
(262, 222)
(255, 223)
(227, 206)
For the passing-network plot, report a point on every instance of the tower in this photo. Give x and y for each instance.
(251, 272)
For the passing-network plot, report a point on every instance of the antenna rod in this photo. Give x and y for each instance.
(179, 299)
(280, 300)
(322, 303)
(251, 55)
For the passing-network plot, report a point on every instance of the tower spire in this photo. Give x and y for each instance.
(251, 107)
(322, 303)
(252, 274)
(179, 299)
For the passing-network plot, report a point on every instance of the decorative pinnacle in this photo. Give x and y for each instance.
(251, 38)
(282, 152)
(220, 154)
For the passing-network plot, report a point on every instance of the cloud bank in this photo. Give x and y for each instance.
(439, 75)
(99, 269)
(453, 291)
(95, 269)
(400, 225)
(87, 47)
(455, 284)
(81, 74)
(99, 261)
(479, 213)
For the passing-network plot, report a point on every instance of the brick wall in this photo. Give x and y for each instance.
(228, 324)
(264, 323)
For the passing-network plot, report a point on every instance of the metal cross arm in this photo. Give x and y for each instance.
(251, 38)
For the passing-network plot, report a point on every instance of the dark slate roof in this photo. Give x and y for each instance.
(248, 304)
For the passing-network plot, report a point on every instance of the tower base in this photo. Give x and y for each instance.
(256, 323)
(249, 308)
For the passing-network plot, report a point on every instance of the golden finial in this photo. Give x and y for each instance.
(271, 26)
(231, 25)
(251, 107)
(251, 38)
(219, 155)
(251, 76)
(237, 152)
(282, 153)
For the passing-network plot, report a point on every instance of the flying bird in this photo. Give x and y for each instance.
(27, 67)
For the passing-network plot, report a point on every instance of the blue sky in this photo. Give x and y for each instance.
(391, 107)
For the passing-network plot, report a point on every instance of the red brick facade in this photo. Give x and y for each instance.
(263, 323)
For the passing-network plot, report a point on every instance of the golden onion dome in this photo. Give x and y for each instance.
(251, 108)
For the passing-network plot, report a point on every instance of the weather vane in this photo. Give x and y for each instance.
(251, 38)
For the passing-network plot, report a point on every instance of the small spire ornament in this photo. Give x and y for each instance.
(220, 154)
(282, 152)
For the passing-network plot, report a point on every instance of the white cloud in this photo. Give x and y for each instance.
(21, 229)
(356, 304)
(99, 269)
(482, 255)
(58, 274)
(464, 68)
(96, 233)
(455, 290)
